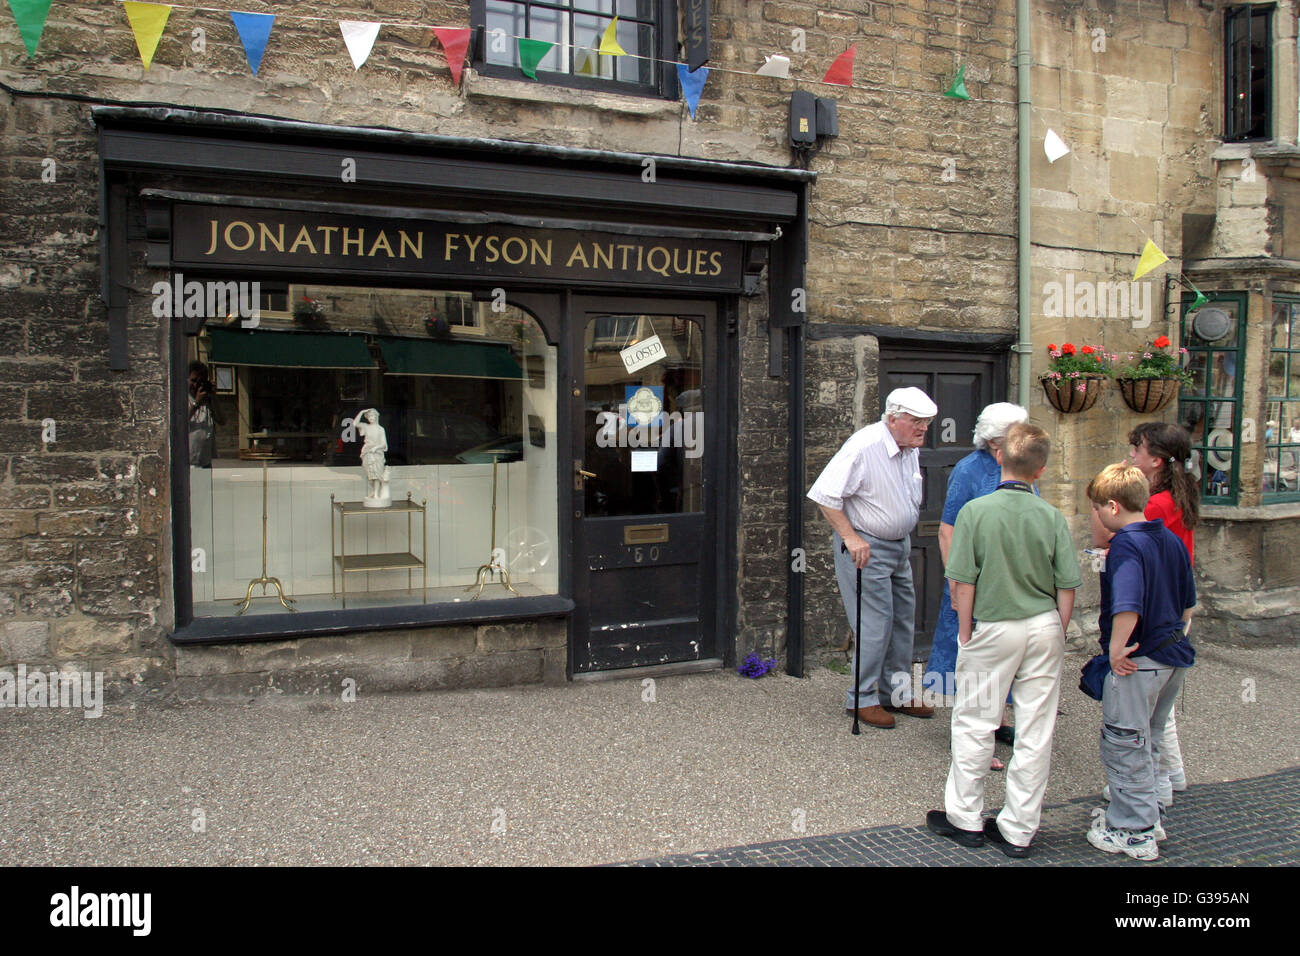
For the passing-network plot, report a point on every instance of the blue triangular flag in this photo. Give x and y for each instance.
(692, 85)
(254, 30)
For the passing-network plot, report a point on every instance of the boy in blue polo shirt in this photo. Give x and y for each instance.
(1147, 596)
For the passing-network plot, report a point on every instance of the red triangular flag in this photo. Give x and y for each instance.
(454, 43)
(841, 70)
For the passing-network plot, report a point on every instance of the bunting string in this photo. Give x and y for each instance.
(600, 43)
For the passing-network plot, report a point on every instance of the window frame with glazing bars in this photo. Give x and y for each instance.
(663, 85)
(1205, 399)
(1235, 77)
(1292, 353)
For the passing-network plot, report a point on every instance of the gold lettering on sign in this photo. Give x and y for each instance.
(359, 241)
(329, 234)
(212, 246)
(405, 241)
(265, 234)
(577, 254)
(248, 230)
(538, 254)
(382, 240)
(303, 239)
(472, 242)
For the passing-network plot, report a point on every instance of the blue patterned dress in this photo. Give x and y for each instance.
(974, 476)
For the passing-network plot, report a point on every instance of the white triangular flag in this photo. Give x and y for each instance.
(360, 38)
(1054, 146)
(776, 65)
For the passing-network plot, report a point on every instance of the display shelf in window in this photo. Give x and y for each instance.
(344, 563)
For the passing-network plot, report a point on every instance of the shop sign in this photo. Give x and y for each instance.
(643, 353)
(286, 240)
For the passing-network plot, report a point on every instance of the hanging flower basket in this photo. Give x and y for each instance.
(1069, 395)
(1146, 395)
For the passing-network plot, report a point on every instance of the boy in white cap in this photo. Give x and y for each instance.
(870, 492)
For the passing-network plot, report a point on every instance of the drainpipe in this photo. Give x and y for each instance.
(1024, 59)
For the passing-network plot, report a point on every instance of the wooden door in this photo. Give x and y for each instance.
(961, 384)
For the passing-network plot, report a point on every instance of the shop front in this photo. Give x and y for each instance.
(466, 394)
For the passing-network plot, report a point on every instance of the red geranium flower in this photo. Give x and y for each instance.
(1088, 350)
(1051, 346)
(1162, 342)
(1067, 348)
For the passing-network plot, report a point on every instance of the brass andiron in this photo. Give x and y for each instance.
(494, 565)
(264, 580)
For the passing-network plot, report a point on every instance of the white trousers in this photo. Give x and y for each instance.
(1026, 656)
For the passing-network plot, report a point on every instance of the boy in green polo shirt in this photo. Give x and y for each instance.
(1012, 568)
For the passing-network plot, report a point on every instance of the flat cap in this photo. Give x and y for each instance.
(913, 401)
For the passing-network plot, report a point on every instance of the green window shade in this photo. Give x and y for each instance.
(458, 359)
(289, 349)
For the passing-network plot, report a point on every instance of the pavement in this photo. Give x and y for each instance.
(744, 771)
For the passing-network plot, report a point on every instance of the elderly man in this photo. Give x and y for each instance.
(870, 492)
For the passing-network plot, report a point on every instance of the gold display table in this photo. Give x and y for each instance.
(343, 563)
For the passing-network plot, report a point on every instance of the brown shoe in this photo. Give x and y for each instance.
(912, 710)
(874, 715)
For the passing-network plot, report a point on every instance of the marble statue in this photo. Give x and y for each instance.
(373, 447)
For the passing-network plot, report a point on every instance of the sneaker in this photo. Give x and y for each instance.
(1099, 823)
(1139, 846)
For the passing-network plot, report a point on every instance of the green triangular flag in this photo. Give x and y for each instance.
(531, 53)
(1199, 301)
(30, 16)
(958, 88)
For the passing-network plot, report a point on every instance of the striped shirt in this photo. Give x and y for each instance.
(874, 482)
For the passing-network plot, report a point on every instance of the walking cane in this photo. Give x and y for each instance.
(857, 655)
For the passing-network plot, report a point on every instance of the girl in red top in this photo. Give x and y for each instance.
(1159, 451)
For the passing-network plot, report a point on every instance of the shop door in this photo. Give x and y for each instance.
(644, 488)
(961, 384)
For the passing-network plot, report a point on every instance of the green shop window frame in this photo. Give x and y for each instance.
(1290, 356)
(1204, 397)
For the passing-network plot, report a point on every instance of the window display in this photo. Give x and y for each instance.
(358, 439)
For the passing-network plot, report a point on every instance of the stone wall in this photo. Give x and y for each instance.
(912, 225)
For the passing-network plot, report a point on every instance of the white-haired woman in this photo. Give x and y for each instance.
(974, 476)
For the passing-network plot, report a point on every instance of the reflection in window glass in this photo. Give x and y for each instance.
(1281, 478)
(1208, 407)
(576, 27)
(645, 429)
(353, 387)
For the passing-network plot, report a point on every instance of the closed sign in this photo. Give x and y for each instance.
(644, 353)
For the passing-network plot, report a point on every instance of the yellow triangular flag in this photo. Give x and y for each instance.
(609, 42)
(1151, 257)
(587, 66)
(147, 22)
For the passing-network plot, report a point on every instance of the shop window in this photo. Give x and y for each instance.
(1248, 73)
(467, 430)
(1281, 436)
(646, 31)
(1210, 407)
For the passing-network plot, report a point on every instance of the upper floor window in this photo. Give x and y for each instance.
(647, 32)
(1248, 72)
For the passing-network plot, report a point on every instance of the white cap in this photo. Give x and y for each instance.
(911, 400)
